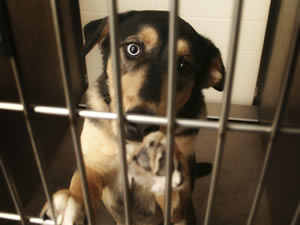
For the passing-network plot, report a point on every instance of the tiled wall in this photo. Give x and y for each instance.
(211, 18)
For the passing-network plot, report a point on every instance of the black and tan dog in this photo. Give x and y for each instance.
(143, 61)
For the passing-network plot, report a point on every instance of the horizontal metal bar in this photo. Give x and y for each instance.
(289, 130)
(11, 106)
(188, 123)
(51, 110)
(34, 220)
(97, 115)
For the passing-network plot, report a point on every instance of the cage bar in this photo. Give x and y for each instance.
(170, 121)
(233, 45)
(72, 113)
(13, 192)
(296, 216)
(28, 121)
(34, 220)
(157, 120)
(171, 103)
(114, 45)
(282, 102)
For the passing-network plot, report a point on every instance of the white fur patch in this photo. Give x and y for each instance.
(159, 185)
(160, 182)
(67, 209)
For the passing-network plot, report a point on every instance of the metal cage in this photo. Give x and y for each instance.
(71, 111)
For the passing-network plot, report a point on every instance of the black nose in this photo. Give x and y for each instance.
(136, 132)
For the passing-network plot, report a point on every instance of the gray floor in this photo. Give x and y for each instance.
(240, 169)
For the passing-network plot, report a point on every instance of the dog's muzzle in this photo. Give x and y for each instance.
(135, 131)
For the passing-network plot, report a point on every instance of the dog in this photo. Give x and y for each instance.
(143, 65)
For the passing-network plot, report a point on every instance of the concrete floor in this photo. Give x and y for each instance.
(241, 165)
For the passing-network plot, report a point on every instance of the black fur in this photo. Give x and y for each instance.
(203, 50)
(204, 56)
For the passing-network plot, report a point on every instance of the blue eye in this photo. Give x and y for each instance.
(133, 50)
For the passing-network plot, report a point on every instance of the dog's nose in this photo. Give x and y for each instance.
(136, 132)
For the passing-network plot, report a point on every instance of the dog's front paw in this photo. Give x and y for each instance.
(148, 165)
(68, 209)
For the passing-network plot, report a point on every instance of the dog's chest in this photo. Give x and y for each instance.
(143, 206)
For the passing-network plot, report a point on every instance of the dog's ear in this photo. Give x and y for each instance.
(216, 69)
(97, 30)
(94, 32)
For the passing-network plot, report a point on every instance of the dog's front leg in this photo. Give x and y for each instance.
(69, 203)
(179, 207)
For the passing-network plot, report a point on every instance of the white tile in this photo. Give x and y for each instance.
(203, 26)
(256, 10)
(206, 8)
(93, 5)
(222, 33)
(143, 5)
(211, 18)
(252, 36)
(87, 17)
(94, 64)
(247, 66)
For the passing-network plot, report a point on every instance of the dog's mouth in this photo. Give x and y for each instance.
(137, 131)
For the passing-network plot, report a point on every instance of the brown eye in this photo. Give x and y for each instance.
(133, 50)
(183, 65)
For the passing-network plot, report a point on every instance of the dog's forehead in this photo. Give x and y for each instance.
(151, 38)
(149, 35)
(152, 27)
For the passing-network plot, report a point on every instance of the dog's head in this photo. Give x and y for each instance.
(144, 63)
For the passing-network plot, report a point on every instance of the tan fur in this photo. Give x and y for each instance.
(181, 194)
(149, 37)
(100, 141)
(94, 100)
(183, 48)
(95, 185)
(103, 34)
(181, 97)
(179, 197)
(186, 145)
(214, 78)
(178, 211)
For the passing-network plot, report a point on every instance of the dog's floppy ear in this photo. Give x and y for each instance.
(216, 69)
(94, 32)
(97, 30)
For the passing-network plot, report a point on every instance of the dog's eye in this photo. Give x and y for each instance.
(183, 66)
(133, 50)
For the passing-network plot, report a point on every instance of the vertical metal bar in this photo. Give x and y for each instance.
(114, 45)
(72, 114)
(233, 45)
(291, 61)
(296, 216)
(28, 121)
(172, 81)
(13, 192)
